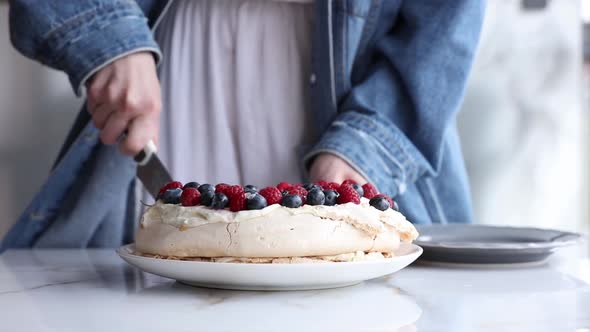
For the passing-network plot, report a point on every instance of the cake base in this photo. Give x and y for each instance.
(348, 257)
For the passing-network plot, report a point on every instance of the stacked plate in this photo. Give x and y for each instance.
(482, 244)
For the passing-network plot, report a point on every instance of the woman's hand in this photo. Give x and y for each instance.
(331, 168)
(125, 96)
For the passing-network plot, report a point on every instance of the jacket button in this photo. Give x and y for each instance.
(312, 78)
(402, 188)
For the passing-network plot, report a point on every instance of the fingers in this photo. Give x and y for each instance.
(100, 115)
(114, 128)
(140, 131)
(331, 168)
(96, 89)
(351, 174)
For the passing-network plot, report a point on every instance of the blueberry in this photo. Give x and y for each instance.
(310, 186)
(331, 197)
(250, 189)
(207, 197)
(172, 196)
(219, 201)
(255, 201)
(191, 185)
(316, 197)
(395, 206)
(206, 187)
(359, 189)
(379, 203)
(291, 201)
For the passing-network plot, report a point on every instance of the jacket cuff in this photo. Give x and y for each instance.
(86, 44)
(378, 150)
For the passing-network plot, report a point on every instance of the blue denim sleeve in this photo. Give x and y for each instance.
(391, 125)
(79, 37)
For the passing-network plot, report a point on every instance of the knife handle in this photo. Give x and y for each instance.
(144, 155)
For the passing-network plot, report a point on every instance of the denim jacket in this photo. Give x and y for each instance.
(388, 78)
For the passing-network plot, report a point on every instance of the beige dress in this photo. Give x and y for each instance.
(234, 83)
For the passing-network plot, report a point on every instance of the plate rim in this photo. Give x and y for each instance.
(562, 239)
(416, 251)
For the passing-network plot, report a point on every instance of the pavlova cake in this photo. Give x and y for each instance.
(289, 223)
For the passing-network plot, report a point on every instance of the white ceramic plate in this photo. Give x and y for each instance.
(271, 276)
(490, 245)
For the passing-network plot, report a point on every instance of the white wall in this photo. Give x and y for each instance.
(37, 107)
(524, 119)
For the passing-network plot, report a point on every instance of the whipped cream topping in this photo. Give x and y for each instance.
(362, 216)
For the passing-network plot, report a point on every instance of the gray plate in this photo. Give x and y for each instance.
(482, 244)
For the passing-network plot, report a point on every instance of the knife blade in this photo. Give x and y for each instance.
(150, 170)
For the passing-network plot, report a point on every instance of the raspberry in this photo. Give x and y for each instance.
(190, 197)
(237, 198)
(298, 191)
(387, 198)
(369, 190)
(348, 194)
(220, 188)
(283, 186)
(272, 195)
(332, 185)
(348, 181)
(322, 184)
(169, 185)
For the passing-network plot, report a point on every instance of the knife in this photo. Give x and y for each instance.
(150, 170)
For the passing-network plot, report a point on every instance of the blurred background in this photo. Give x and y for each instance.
(524, 122)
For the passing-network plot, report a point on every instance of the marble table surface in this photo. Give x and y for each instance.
(94, 290)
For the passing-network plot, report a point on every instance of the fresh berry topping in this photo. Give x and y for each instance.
(291, 201)
(379, 202)
(298, 191)
(207, 197)
(348, 181)
(369, 190)
(172, 196)
(190, 197)
(391, 203)
(283, 186)
(219, 201)
(206, 187)
(169, 185)
(250, 189)
(316, 197)
(348, 195)
(322, 184)
(255, 201)
(331, 197)
(191, 185)
(395, 206)
(220, 188)
(237, 198)
(272, 195)
(332, 185)
(358, 188)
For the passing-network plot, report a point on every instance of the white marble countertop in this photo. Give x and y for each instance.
(94, 290)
